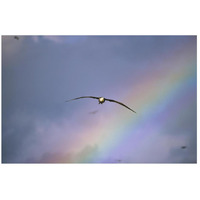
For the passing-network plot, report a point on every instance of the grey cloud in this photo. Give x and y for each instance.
(69, 157)
(39, 76)
(55, 157)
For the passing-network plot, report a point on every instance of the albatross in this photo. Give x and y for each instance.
(102, 100)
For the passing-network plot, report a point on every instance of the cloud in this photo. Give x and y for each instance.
(30, 137)
(41, 72)
(35, 38)
(89, 153)
(55, 39)
(60, 39)
(27, 135)
(10, 49)
(55, 157)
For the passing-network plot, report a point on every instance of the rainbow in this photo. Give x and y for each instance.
(151, 94)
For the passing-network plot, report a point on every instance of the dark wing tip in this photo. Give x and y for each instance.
(69, 100)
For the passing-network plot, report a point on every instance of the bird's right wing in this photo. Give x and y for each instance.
(111, 100)
(83, 97)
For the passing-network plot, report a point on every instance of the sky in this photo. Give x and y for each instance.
(153, 75)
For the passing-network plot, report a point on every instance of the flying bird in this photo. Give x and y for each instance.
(16, 37)
(183, 147)
(93, 112)
(102, 100)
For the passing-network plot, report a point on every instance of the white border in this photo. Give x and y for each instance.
(100, 181)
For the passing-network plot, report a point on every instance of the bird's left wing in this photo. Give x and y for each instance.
(111, 100)
(83, 97)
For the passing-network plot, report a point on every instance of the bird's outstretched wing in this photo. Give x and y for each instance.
(111, 100)
(83, 97)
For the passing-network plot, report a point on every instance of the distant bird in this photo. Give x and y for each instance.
(16, 37)
(102, 100)
(183, 147)
(93, 112)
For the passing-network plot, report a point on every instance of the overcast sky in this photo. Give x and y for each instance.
(154, 75)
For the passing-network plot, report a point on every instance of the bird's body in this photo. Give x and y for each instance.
(102, 100)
